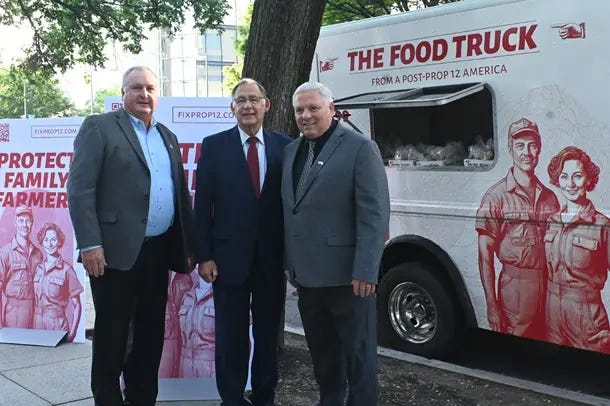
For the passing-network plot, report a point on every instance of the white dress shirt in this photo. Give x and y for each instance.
(260, 146)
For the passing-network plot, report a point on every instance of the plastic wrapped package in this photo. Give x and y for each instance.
(436, 155)
(406, 155)
(480, 153)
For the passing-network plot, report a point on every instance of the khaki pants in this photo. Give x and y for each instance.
(577, 318)
(521, 293)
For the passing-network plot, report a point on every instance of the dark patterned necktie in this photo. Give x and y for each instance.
(311, 145)
(253, 165)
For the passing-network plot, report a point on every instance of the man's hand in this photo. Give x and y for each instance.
(207, 270)
(496, 319)
(289, 279)
(363, 288)
(94, 261)
(601, 340)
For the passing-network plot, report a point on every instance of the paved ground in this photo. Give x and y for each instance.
(404, 383)
(33, 376)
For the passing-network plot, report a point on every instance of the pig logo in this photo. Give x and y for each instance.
(570, 30)
(342, 115)
(327, 64)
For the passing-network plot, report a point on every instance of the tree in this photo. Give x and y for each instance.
(67, 32)
(232, 73)
(279, 53)
(100, 99)
(43, 97)
(282, 43)
(339, 11)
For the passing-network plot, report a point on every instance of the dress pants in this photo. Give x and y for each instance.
(341, 333)
(136, 296)
(263, 293)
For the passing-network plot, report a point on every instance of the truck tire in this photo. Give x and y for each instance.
(417, 313)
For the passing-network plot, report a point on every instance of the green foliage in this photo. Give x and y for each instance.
(43, 96)
(232, 74)
(339, 11)
(243, 32)
(67, 32)
(99, 102)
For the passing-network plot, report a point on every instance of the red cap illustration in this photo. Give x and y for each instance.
(23, 209)
(521, 128)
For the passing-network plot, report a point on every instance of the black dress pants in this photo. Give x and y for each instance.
(341, 333)
(263, 294)
(136, 296)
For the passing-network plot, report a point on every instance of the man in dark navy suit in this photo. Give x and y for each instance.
(240, 246)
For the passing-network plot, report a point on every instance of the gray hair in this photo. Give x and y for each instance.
(135, 69)
(248, 80)
(313, 86)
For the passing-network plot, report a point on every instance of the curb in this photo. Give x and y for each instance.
(485, 375)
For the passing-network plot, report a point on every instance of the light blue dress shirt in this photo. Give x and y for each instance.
(260, 146)
(161, 201)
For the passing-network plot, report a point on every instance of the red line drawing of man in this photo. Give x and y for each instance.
(170, 359)
(511, 223)
(56, 285)
(197, 324)
(577, 244)
(18, 260)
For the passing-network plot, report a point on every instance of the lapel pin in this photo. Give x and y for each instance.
(320, 163)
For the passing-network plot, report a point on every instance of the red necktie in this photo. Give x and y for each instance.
(253, 165)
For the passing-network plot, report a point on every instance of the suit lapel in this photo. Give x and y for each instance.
(236, 149)
(327, 151)
(125, 124)
(291, 154)
(167, 140)
(270, 156)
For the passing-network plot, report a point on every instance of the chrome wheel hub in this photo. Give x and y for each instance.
(412, 313)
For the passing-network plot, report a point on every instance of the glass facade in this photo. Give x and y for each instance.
(192, 63)
(216, 50)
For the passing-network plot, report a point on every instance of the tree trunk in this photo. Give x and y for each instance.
(283, 36)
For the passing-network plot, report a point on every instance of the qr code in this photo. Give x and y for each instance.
(4, 132)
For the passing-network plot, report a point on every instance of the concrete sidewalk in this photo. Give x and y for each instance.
(33, 376)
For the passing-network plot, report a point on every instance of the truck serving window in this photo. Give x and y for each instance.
(444, 127)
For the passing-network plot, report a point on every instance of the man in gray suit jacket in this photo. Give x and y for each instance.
(336, 213)
(130, 209)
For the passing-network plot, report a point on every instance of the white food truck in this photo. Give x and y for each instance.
(493, 120)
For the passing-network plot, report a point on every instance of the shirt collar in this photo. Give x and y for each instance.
(244, 136)
(586, 214)
(59, 264)
(15, 245)
(139, 123)
(511, 182)
(325, 135)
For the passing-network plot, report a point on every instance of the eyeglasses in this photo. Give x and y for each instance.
(254, 100)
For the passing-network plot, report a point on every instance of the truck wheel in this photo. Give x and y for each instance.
(417, 313)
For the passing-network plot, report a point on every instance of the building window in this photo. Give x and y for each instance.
(209, 79)
(215, 52)
(213, 48)
(228, 46)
